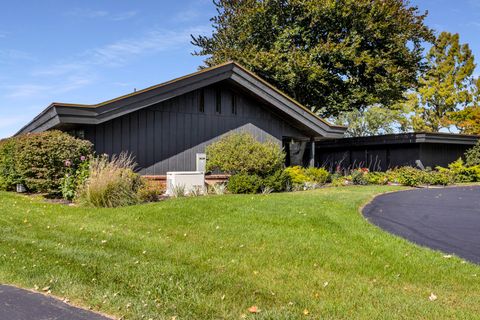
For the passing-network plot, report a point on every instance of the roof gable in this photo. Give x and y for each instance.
(57, 114)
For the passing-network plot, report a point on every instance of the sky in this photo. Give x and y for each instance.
(88, 51)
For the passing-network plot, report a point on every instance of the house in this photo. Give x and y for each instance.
(166, 126)
(380, 153)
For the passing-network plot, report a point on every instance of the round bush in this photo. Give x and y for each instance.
(244, 183)
(318, 175)
(40, 160)
(242, 153)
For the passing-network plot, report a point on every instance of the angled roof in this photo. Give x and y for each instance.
(57, 114)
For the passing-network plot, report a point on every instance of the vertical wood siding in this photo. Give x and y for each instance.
(167, 136)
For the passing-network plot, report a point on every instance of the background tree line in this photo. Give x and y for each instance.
(360, 63)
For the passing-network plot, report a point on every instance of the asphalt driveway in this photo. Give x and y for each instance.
(446, 219)
(19, 304)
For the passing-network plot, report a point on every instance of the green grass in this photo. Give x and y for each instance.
(214, 257)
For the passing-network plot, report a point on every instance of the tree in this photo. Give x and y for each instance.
(467, 120)
(446, 86)
(330, 55)
(374, 120)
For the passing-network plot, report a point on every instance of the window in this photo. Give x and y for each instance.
(218, 101)
(234, 104)
(77, 133)
(201, 106)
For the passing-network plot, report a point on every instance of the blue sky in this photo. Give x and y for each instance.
(87, 51)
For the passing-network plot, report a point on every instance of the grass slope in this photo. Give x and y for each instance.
(295, 256)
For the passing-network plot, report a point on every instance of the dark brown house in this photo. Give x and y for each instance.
(167, 125)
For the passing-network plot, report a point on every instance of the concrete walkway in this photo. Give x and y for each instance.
(19, 304)
(446, 219)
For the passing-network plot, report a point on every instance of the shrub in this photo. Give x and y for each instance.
(458, 172)
(244, 183)
(74, 178)
(43, 159)
(242, 153)
(359, 176)
(111, 183)
(149, 192)
(376, 178)
(318, 175)
(8, 175)
(278, 181)
(472, 156)
(438, 178)
(409, 176)
(297, 175)
(340, 181)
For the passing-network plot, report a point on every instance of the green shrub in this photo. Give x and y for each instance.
(438, 178)
(359, 176)
(380, 178)
(242, 153)
(43, 159)
(278, 181)
(8, 175)
(458, 172)
(74, 178)
(472, 156)
(148, 192)
(297, 175)
(244, 183)
(409, 176)
(111, 183)
(318, 175)
(340, 181)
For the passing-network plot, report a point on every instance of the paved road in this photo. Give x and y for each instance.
(18, 304)
(446, 219)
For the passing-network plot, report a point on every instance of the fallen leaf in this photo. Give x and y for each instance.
(447, 256)
(432, 297)
(253, 309)
(306, 312)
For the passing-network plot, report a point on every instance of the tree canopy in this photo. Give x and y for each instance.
(374, 120)
(331, 55)
(445, 87)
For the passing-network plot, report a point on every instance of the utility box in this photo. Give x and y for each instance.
(188, 181)
(201, 162)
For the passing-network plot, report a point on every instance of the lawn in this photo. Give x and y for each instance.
(305, 255)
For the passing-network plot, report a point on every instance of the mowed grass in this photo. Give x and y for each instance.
(304, 255)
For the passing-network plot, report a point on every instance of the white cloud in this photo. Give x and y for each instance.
(82, 69)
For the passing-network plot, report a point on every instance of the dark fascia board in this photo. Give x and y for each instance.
(61, 113)
(402, 138)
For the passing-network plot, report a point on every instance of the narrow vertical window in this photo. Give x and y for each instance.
(234, 104)
(218, 101)
(201, 106)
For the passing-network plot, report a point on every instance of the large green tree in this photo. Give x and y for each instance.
(374, 120)
(331, 55)
(445, 87)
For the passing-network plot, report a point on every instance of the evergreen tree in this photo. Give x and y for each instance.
(445, 87)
